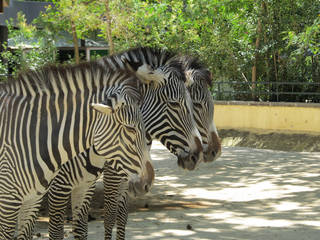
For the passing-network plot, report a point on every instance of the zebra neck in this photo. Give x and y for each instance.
(95, 162)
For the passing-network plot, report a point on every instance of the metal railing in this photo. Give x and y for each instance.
(267, 91)
(3, 77)
(261, 91)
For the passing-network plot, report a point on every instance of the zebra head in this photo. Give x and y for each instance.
(198, 81)
(167, 111)
(119, 137)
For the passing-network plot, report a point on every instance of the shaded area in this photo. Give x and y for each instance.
(246, 194)
(271, 140)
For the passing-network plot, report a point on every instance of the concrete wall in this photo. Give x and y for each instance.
(294, 117)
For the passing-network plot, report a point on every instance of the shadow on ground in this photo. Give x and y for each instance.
(285, 141)
(246, 194)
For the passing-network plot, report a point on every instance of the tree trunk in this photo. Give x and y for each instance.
(3, 44)
(75, 38)
(3, 37)
(255, 61)
(75, 43)
(108, 28)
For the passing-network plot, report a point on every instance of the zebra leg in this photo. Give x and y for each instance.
(58, 199)
(27, 218)
(110, 211)
(81, 198)
(122, 216)
(113, 189)
(9, 210)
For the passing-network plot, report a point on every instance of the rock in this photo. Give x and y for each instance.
(189, 227)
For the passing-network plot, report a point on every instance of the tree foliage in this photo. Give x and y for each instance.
(39, 51)
(77, 17)
(245, 40)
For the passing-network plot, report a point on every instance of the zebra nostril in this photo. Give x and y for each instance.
(146, 188)
(213, 153)
(194, 159)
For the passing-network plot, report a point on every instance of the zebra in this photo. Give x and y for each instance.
(198, 81)
(51, 115)
(165, 106)
(149, 63)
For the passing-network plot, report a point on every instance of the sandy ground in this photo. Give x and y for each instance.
(246, 194)
(263, 139)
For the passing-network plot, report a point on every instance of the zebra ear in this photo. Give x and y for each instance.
(102, 107)
(144, 72)
(189, 78)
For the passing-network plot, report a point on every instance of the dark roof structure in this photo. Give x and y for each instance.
(30, 9)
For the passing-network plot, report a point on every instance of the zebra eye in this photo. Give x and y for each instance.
(197, 105)
(174, 104)
(130, 129)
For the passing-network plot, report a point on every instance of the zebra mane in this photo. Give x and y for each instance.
(53, 78)
(194, 64)
(155, 57)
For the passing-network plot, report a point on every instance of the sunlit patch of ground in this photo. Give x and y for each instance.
(247, 194)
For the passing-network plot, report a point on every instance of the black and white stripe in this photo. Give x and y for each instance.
(198, 81)
(166, 109)
(46, 118)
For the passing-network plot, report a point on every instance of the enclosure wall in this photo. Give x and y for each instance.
(295, 117)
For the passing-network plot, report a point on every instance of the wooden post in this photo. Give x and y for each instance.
(3, 41)
(3, 36)
(3, 4)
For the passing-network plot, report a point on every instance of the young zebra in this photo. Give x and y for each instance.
(54, 114)
(198, 81)
(166, 109)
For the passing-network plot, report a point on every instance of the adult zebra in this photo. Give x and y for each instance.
(166, 110)
(52, 115)
(198, 81)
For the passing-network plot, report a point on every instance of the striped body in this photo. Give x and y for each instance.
(198, 81)
(46, 118)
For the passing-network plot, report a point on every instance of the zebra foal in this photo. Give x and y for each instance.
(55, 114)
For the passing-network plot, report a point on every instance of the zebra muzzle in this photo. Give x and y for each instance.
(190, 160)
(214, 149)
(143, 184)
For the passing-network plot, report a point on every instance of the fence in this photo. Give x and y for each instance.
(4, 77)
(267, 91)
(261, 91)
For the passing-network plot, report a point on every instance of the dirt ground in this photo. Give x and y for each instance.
(285, 141)
(247, 194)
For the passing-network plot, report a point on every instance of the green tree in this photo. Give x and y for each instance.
(32, 47)
(245, 40)
(77, 17)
